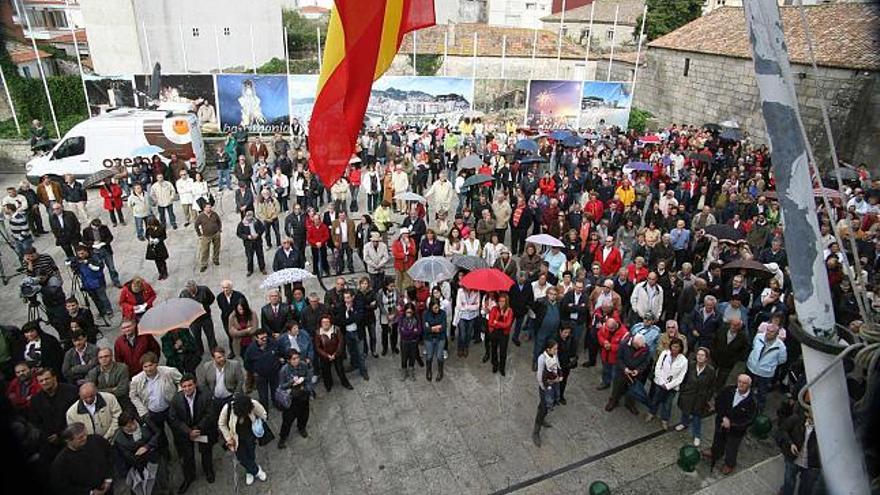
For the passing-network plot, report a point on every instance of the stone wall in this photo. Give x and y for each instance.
(13, 155)
(620, 71)
(718, 88)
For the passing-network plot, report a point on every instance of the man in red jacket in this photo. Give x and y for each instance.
(595, 206)
(609, 258)
(318, 235)
(130, 347)
(404, 252)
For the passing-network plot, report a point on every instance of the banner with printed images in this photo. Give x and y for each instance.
(108, 92)
(605, 104)
(499, 101)
(303, 91)
(194, 90)
(413, 99)
(553, 104)
(258, 103)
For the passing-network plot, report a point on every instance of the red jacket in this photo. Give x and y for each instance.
(547, 186)
(596, 208)
(636, 275)
(112, 197)
(317, 233)
(131, 356)
(403, 261)
(22, 402)
(609, 356)
(500, 321)
(127, 301)
(354, 176)
(610, 265)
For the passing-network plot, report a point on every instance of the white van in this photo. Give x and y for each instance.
(111, 139)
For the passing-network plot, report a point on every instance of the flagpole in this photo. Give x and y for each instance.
(9, 99)
(639, 51)
(147, 47)
(415, 53)
(289, 96)
(320, 61)
(82, 77)
(559, 40)
(589, 39)
(253, 54)
(43, 76)
(613, 39)
(217, 47)
(474, 65)
(445, 51)
(534, 53)
(182, 47)
(503, 54)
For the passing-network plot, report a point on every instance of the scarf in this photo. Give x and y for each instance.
(517, 214)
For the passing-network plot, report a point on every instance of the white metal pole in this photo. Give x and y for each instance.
(289, 96)
(182, 46)
(590, 32)
(11, 103)
(217, 47)
(474, 65)
(147, 47)
(639, 51)
(445, 51)
(503, 54)
(559, 39)
(253, 53)
(843, 461)
(415, 53)
(43, 76)
(613, 40)
(82, 77)
(320, 60)
(534, 53)
(287, 50)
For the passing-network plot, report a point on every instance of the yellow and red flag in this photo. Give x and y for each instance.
(362, 40)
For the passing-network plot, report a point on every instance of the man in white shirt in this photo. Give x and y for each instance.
(220, 377)
(151, 392)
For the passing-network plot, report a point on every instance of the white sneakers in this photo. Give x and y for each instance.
(249, 478)
(696, 442)
(261, 475)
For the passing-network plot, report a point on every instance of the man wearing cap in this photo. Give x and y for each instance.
(404, 252)
(505, 263)
(375, 258)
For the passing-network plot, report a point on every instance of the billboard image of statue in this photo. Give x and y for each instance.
(258, 103)
(605, 104)
(396, 99)
(553, 104)
(498, 101)
(195, 91)
(108, 92)
(303, 91)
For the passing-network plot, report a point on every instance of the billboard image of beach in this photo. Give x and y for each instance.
(303, 91)
(108, 92)
(396, 99)
(553, 104)
(498, 101)
(256, 102)
(605, 104)
(195, 90)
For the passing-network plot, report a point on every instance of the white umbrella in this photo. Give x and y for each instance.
(730, 124)
(545, 240)
(286, 276)
(354, 159)
(471, 161)
(432, 269)
(410, 196)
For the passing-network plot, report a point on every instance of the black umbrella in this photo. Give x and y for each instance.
(731, 135)
(533, 159)
(98, 177)
(712, 127)
(700, 157)
(476, 180)
(724, 232)
(469, 263)
(751, 266)
(471, 161)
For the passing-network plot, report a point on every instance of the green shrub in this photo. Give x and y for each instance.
(638, 119)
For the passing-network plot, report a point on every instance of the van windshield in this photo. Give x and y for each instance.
(71, 146)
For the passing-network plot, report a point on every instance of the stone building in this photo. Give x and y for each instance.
(576, 24)
(703, 72)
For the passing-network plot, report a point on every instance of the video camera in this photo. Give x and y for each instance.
(29, 288)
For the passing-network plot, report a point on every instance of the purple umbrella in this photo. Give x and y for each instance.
(640, 166)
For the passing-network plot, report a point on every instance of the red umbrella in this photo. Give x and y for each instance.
(487, 279)
(650, 139)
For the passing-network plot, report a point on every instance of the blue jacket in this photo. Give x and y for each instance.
(264, 362)
(774, 355)
(306, 347)
(91, 273)
(651, 334)
(431, 320)
(288, 372)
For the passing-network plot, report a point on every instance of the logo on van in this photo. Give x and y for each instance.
(112, 162)
(180, 126)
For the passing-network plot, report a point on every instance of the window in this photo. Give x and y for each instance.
(227, 31)
(72, 146)
(687, 66)
(531, 6)
(610, 35)
(26, 72)
(195, 32)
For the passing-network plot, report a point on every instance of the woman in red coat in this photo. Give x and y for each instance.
(318, 235)
(135, 298)
(404, 252)
(610, 335)
(112, 195)
(500, 322)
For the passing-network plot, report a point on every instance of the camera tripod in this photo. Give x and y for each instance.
(36, 309)
(77, 291)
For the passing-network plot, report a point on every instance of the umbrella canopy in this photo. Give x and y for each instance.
(827, 191)
(469, 263)
(476, 180)
(170, 314)
(724, 232)
(640, 166)
(712, 127)
(751, 266)
(354, 159)
(471, 161)
(573, 142)
(729, 124)
(561, 134)
(410, 196)
(286, 276)
(527, 145)
(147, 150)
(731, 134)
(700, 157)
(846, 173)
(650, 139)
(533, 159)
(487, 279)
(545, 240)
(432, 269)
(98, 177)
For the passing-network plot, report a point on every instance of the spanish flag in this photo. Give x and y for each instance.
(362, 40)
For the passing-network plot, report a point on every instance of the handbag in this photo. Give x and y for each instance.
(283, 398)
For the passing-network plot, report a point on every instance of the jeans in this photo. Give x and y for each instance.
(811, 479)
(465, 333)
(319, 260)
(270, 226)
(694, 422)
(99, 295)
(520, 324)
(167, 211)
(107, 257)
(607, 373)
(354, 345)
(265, 387)
(22, 245)
(762, 386)
(539, 343)
(139, 227)
(578, 331)
(434, 349)
(661, 399)
(224, 179)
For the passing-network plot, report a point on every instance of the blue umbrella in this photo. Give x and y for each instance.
(641, 166)
(731, 134)
(526, 145)
(573, 142)
(147, 150)
(560, 135)
(533, 159)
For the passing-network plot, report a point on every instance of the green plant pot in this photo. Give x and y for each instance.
(599, 488)
(688, 458)
(761, 427)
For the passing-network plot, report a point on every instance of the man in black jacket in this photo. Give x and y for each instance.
(65, 228)
(202, 295)
(295, 228)
(347, 316)
(521, 299)
(250, 231)
(85, 465)
(49, 411)
(729, 347)
(797, 440)
(735, 409)
(275, 315)
(194, 423)
(98, 237)
(227, 300)
(633, 359)
(575, 307)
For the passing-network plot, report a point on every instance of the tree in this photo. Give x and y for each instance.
(638, 119)
(665, 16)
(302, 33)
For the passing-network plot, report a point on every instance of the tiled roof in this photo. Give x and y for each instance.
(844, 35)
(21, 53)
(489, 42)
(68, 38)
(313, 9)
(630, 10)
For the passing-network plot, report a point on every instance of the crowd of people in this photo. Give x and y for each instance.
(667, 278)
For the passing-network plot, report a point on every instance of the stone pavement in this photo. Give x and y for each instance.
(469, 434)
